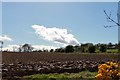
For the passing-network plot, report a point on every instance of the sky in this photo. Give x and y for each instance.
(53, 24)
(0, 18)
(119, 21)
(59, 0)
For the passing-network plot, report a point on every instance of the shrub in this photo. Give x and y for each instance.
(119, 46)
(103, 48)
(91, 49)
(52, 50)
(108, 71)
(69, 49)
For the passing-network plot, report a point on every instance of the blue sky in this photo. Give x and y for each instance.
(0, 18)
(59, 0)
(84, 20)
(119, 22)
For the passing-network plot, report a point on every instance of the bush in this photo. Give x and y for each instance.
(91, 49)
(119, 46)
(69, 49)
(108, 71)
(103, 48)
(52, 50)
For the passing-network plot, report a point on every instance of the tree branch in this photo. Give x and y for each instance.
(111, 20)
(110, 26)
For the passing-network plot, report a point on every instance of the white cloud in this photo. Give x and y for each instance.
(36, 47)
(56, 35)
(11, 47)
(41, 47)
(5, 38)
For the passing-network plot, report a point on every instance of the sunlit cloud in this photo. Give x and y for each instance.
(56, 35)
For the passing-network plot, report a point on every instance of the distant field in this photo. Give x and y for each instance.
(13, 57)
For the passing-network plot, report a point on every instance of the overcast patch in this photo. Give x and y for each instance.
(56, 35)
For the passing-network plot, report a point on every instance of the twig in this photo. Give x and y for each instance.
(110, 20)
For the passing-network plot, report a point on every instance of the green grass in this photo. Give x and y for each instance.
(63, 76)
(112, 50)
(108, 51)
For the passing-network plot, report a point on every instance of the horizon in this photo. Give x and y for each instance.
(57, 24)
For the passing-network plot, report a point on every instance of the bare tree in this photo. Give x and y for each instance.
(117, 23)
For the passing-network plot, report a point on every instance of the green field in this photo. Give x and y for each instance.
(63, 76)
(112, 51)
(108, 51)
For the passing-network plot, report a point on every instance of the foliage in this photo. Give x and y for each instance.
(103, 48)
(69, 49)
(77, 48)
(27, 48)
(51, 50)
(108, 71)
(59, 50)
(83, 48)
(119, 46)
(91, 49)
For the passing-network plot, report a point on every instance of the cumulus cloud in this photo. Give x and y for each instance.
(56, 35)
(5, 38)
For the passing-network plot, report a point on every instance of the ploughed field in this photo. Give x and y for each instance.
(16, 64)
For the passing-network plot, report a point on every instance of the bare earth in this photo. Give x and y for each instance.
(13, 57)
(21, 64)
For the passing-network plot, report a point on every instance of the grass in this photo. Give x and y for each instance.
(63, 76)
(112, 51)
(108, 51)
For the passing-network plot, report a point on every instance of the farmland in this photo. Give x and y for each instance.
(22, 64)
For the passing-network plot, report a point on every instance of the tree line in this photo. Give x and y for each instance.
(83, 48)
(90, 48)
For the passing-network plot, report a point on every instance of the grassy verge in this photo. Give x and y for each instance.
(85, 75)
